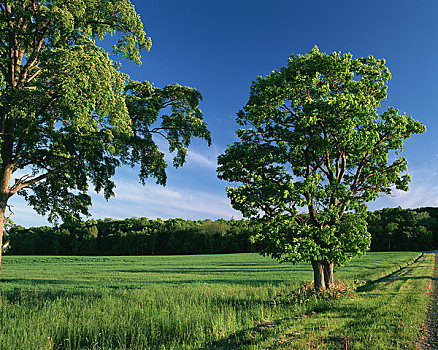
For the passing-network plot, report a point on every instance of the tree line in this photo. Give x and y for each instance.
(395, 229)
(391, 229)
(134, 236)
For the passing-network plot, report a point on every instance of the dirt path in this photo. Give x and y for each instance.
(431, 330)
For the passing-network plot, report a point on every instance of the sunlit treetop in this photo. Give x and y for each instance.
(69, 117)
(314, 147)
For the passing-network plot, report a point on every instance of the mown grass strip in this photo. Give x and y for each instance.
(386, 314)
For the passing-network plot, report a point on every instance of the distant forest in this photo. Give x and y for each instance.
(391, 229)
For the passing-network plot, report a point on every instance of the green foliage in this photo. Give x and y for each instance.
(390, 229)
(312, 141)
(403, 229)
(134, 237)
(69, 117)
(145, 102)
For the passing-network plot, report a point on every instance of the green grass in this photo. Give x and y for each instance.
(385, 314)
(176, 302)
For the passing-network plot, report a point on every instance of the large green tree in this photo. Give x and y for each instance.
(69, 117)
(312, 152)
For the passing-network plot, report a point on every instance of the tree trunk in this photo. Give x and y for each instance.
(328, 274)
(5, 178)
(2, 229)
(154, 237)
(318, 275)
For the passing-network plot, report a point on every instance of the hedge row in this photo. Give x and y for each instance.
(391, 229)
(394, 229)
(134, 236)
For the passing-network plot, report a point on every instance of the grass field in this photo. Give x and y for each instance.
(185, 302)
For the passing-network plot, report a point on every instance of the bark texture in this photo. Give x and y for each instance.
(328, 274)
(323, 275)
(318, 275)
(5, 178)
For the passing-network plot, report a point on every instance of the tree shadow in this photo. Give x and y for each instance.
(360, 318)
(244, 337)
(37, 296)
(373, 285)
(35, 281)
(203, 270)
(396, 275)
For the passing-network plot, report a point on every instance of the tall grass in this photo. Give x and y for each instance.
(175, 302)
(385, 314)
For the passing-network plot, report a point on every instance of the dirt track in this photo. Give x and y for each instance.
(431, 329)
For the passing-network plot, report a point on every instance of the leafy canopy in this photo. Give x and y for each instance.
(313, 148)
(69, 117)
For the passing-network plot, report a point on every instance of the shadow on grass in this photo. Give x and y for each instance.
(19, 295)
(252, 283)
(123, 284)
(372, 285)
(35, 281)
(245, 337)
(396, 275)
(208, 271)
(357, 317)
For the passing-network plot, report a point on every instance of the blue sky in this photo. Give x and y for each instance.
(220, 47)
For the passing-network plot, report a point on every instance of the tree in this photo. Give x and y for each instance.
(68, 115)
(313, 151)
(402, 229)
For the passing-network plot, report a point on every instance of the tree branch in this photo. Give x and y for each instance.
(19, 186)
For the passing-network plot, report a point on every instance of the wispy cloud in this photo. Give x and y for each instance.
(133, 199)
(188, 202)
(199, 154)
(24, 215)
(423, 190)
(207, 159)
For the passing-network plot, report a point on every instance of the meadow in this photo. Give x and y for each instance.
(200, 302)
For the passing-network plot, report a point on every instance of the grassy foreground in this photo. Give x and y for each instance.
(205, 302)
(385, 314)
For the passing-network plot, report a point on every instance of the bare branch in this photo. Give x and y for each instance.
(7, 219)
